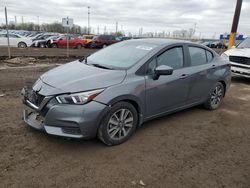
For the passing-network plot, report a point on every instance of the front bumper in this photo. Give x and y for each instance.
(240, 69)
(74, 121)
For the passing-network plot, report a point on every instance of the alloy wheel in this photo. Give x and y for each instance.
(216, 96)
(120, 124)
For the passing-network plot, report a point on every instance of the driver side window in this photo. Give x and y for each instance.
(173, 58)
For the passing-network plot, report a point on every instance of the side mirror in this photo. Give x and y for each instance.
(162, 70)
(81, 59)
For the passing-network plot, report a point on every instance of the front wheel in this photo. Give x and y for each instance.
(22, 45)
(78, 46)
(119, 124)
(54, 46)
(215, 97)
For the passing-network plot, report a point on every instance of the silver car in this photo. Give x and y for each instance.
(113, 91)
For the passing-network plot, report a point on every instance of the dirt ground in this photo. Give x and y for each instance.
(192, 148)
(44, 52)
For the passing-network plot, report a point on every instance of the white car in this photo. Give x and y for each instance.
(240, 58)
(15, 40)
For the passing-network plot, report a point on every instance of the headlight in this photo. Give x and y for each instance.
(78, 98)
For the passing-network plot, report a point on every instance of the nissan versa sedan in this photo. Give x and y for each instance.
(113, 91)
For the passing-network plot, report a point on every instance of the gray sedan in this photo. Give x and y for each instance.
(113, 91)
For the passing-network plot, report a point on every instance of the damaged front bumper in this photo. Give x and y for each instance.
(74, 121)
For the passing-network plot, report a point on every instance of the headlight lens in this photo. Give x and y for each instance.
(78, 98)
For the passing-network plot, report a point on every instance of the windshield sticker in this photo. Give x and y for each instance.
(148, 48)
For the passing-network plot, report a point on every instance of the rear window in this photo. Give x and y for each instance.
(198, 56)
(209, 56)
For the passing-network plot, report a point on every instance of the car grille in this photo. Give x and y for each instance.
(36, 98)
(241, 60)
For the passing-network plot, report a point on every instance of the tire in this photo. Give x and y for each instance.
(54, 46)
(92, 45)
(78, 46)
(42, 45)
(119, 124)
(104, 45)
(22, 45)
(215, 97)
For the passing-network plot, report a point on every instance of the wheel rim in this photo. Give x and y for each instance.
(216, 96)
(22, 45)
(120, 124)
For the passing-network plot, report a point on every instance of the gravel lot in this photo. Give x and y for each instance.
(192, 148)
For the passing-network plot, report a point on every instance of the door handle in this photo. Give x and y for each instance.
(184, 76)
(213, 66)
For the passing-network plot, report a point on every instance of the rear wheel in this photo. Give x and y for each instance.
(54, 46)
(215, 97)
(42, 45)
(22, 45)
(119, 124)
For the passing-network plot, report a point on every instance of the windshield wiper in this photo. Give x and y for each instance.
(101, 66)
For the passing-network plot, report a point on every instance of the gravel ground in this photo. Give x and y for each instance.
(192, 148)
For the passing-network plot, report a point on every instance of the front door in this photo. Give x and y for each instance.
(167, 92)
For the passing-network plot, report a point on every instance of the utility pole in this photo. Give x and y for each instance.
(105, 29)
(116, 28)
(8, 38)
(235, 24)
(98, 30)
(15, 22)
(22, 20)
(38, 22)
(88, 20)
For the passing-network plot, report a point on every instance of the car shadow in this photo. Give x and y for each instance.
(239, 79)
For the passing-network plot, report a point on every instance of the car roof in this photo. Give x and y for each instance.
(160, 41)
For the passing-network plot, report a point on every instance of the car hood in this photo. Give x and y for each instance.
(244, 52)
(77, 77)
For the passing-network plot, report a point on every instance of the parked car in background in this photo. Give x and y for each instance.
(102, 41)
(62, 42)
(116, 89)
(239, 58)
(43, 43)
(42, 40)
(215, 44)
(15, 40)
(88, 39)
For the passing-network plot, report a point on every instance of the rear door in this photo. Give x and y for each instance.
(201, 71)
(3, 40)
(168, 92)
(14, 40)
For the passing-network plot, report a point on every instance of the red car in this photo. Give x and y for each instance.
(101, 41)
(73, 43)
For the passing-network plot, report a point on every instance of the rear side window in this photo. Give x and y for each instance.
(198, 56)
(172, 58)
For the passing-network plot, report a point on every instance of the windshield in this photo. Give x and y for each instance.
(121, 55)
(244, 44)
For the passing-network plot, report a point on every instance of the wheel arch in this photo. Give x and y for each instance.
(135, 101)
(224, 85)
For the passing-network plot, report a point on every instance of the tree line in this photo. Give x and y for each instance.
(47, 27)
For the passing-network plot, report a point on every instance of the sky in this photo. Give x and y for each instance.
(212, 17)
